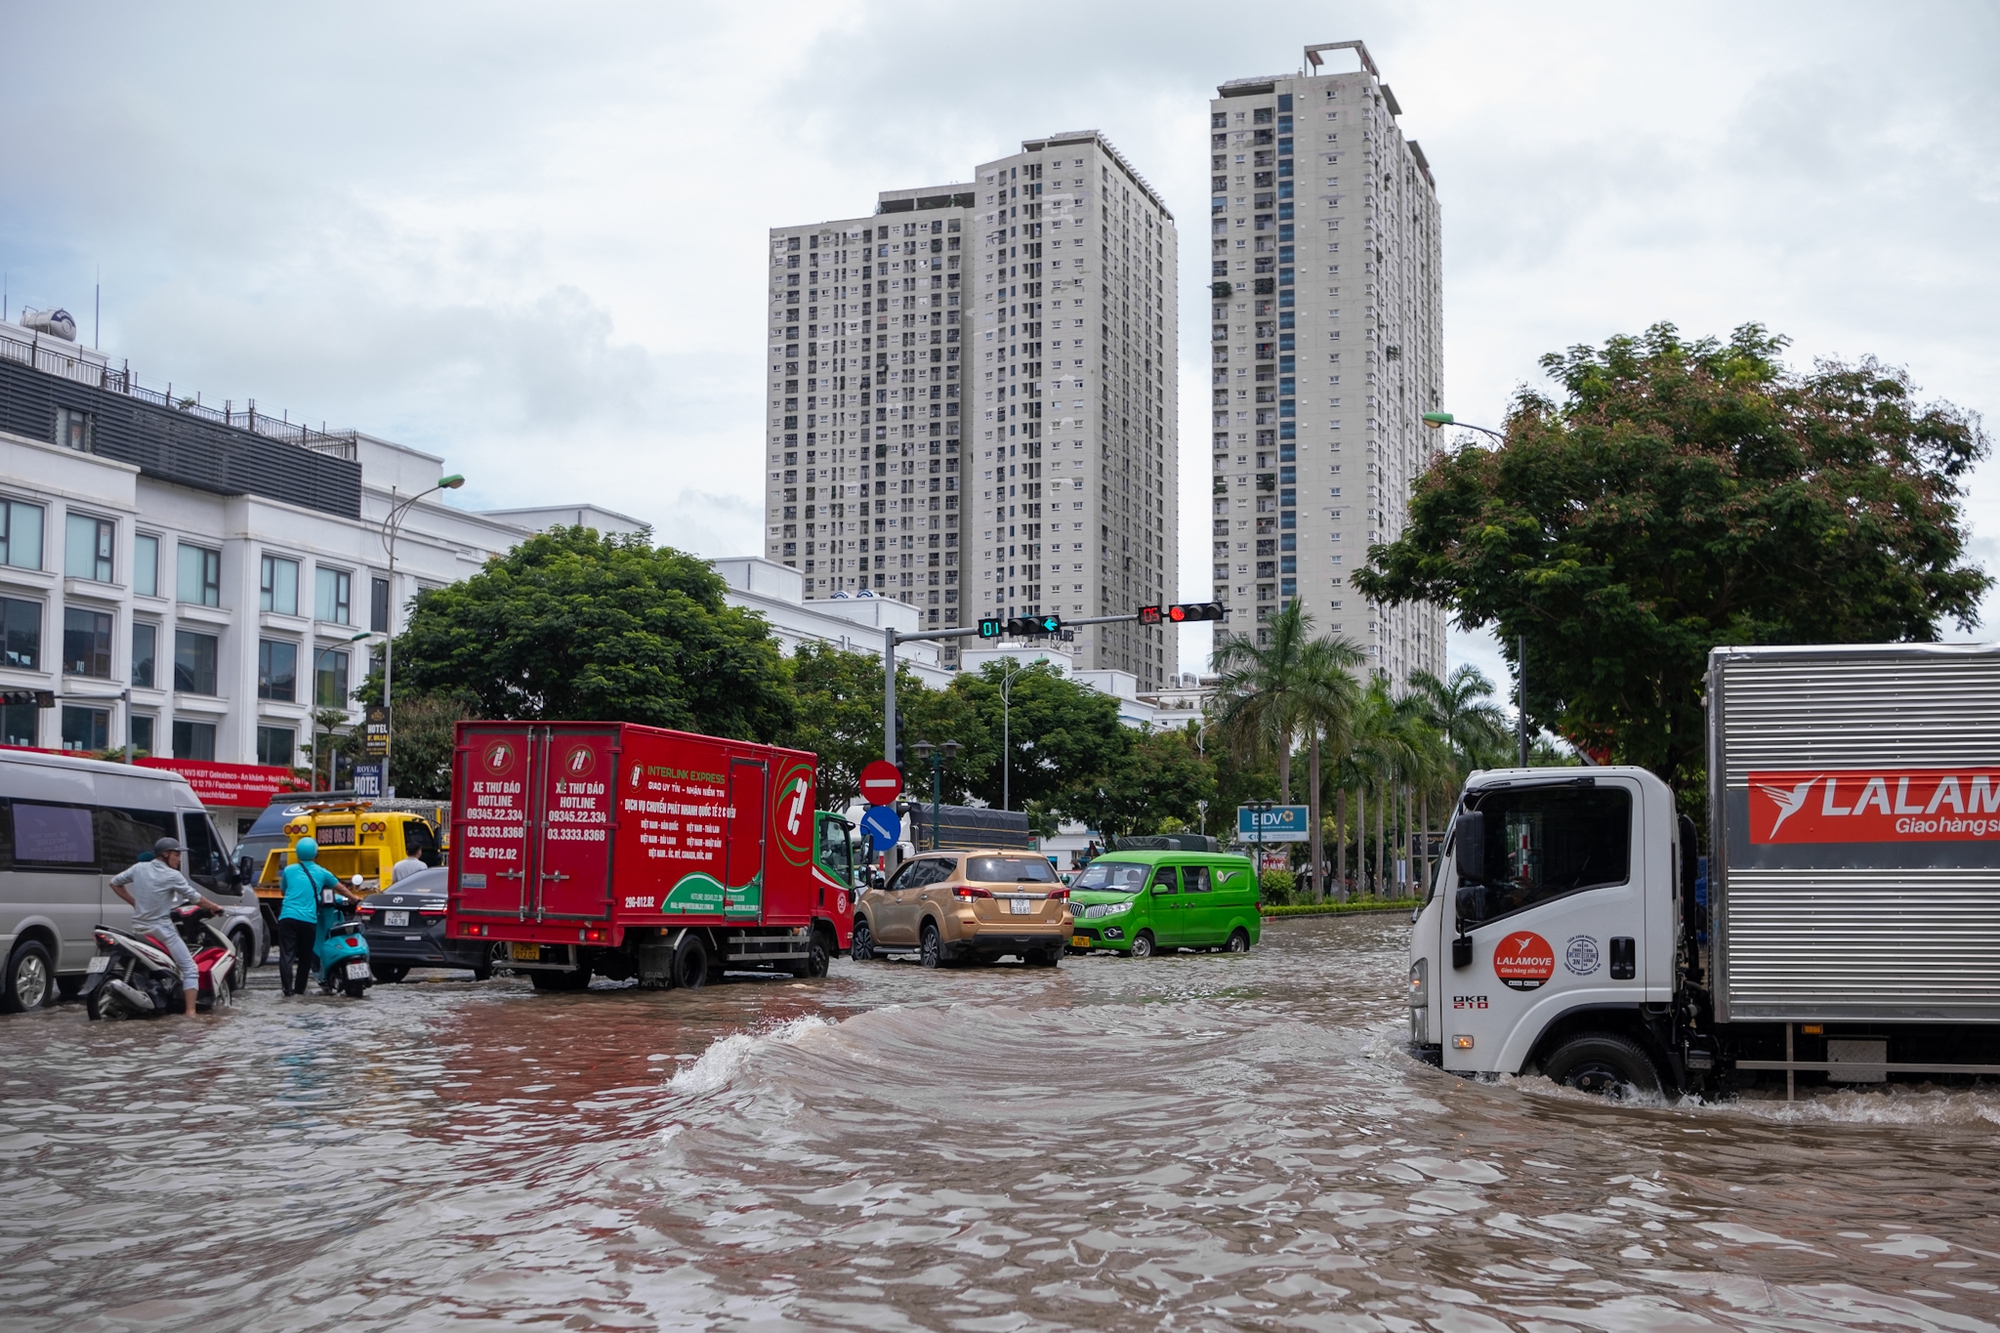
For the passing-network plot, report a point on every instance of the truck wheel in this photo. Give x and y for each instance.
(818, 958)
(691, 962)
(863, 947)
(1604, 1064)
(30, 979)
(931, 952)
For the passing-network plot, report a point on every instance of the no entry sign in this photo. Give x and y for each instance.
(881, 782)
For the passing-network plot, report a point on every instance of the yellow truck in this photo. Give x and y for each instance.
(356, 838)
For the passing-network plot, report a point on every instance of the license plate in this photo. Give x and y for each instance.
(1020, 907)
(357, 972)
(99, 963)
(1079, 941)
(525, 953)
(395, 918)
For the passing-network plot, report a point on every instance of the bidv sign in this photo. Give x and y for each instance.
(1280, 823)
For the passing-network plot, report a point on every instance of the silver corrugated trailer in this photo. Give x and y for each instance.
(1855, 833)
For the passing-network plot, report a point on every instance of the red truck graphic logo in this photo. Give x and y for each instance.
(1875, 805)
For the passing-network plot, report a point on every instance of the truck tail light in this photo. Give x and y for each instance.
(968, 891)
(592, 936)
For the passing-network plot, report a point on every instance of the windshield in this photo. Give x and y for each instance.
(1113, 877)
(1544, 842)
(1010, 870)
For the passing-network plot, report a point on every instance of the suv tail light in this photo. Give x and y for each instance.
(1058, 893)
(968, 891)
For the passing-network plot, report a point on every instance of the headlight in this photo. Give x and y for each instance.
(1420, 983)
(1116, 909)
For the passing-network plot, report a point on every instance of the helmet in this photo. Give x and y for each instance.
(307, 850)
(165, 845)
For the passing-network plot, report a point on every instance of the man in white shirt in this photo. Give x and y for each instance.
(155, 888)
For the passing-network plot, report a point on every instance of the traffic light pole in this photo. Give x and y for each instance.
(891, 637)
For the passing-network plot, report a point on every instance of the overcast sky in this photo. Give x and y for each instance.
(531, 237)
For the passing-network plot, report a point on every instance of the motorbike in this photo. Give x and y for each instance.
(340, 949)
(133, 976)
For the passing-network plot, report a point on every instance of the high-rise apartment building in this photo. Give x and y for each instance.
(979, 386)
(867, 327)
(1326, 349)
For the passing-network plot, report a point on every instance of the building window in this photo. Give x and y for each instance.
(276, 746)
(277, 670)
(17, 723)
(378, 605)
(332, 605)
(87, 550)
(86, 643)
(73, 429)
(330, 680)
(278, 586)
(194, 667)
(21, 626)
(86, 729)
(194, 740)
(139, 731)
(200, 581)
(145, 646)
(20, 534)
(146, 565)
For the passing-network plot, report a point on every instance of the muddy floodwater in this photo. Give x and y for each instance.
(1194, 1142)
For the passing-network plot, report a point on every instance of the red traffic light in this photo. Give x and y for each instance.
(1197, 611)
(1149, 615)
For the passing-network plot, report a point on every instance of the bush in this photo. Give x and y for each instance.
(1278, 887)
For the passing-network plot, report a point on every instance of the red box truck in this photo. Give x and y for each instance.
(610, 849)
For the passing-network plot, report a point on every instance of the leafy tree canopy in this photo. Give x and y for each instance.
(571, 624)
(1063, 735)
(1685, 495)
(1158, 786)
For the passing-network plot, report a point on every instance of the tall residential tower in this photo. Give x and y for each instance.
(1326, 349)
(972, 400)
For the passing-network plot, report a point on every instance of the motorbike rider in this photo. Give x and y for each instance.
(155, 888)
(298, 920)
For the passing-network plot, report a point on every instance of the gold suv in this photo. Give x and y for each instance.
(948, 906)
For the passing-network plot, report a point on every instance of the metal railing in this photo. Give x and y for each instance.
(67, 360)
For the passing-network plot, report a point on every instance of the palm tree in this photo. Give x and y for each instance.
(1268, 693)
(1390, 742)
(1460, 709)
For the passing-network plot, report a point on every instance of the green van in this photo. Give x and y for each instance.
(1140, 903)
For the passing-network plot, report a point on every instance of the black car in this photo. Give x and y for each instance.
(404, 925)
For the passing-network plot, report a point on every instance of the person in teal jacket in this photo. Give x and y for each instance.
(298, 919)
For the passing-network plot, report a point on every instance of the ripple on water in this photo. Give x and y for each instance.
(1201, 1141)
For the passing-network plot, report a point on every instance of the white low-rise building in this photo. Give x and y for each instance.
(198, 582)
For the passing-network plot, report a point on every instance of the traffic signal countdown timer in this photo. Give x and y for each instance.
(1185, 611)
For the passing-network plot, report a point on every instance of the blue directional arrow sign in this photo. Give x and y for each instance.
(883, 826)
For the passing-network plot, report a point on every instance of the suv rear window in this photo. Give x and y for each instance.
(1113, 877)
(1010, 870)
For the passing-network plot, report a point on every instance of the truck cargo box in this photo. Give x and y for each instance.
(583, 832)
(1855, 830)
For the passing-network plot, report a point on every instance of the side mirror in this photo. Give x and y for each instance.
(1468, 841)
(327, 897)
(355, 881)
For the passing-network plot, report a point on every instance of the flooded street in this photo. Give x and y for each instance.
(1197, 1142)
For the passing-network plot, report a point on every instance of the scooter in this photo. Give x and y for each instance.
(340, 949)
(133, 976)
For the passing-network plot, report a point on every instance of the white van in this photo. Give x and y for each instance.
(66, 827)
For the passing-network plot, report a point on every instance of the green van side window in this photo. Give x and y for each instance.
(1163, 881)
(1195, 879)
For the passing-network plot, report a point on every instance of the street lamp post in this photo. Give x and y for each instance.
(312, 714)
(1007, 738)
(392, 528)
(937, 754)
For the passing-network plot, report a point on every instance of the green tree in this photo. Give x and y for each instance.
(1460, 709)
(1685, 495)
(1258, 691)
(1160, 780)
(1064, 736)
(574, 625)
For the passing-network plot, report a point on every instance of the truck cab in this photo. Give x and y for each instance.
(1550, 940)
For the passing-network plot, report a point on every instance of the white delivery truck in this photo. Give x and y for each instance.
(1852, 924)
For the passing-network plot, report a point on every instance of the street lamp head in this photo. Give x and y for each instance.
(451, 483)
(1438, 420)
(922, 749)
(364, 634)
(951, 749)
